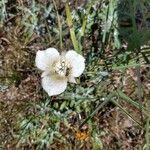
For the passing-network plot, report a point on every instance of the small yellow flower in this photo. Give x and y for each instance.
(81, 135)
(58, 69)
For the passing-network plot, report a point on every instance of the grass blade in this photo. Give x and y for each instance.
(96, 110)
(147, 134)
(128, 99)
(70, 25)
(126, 112)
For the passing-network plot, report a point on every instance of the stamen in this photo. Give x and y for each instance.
(62, 68)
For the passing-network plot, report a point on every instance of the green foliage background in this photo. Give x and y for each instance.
(112, 35)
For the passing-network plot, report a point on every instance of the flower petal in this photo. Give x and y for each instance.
(45, 58)
(77, 62)
(72, 79)
(54, 86)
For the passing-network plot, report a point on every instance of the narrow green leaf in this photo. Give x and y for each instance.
(147, 136)
(128, 99)
(96, 110)
(70, 25)
(85, 20)
(126, 112)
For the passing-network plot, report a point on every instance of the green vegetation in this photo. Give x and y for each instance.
(108, 108)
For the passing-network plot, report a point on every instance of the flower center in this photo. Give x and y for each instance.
(62, 67)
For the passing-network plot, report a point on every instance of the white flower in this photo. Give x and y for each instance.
(58, 69)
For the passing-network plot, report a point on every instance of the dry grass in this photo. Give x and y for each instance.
(22, 97)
